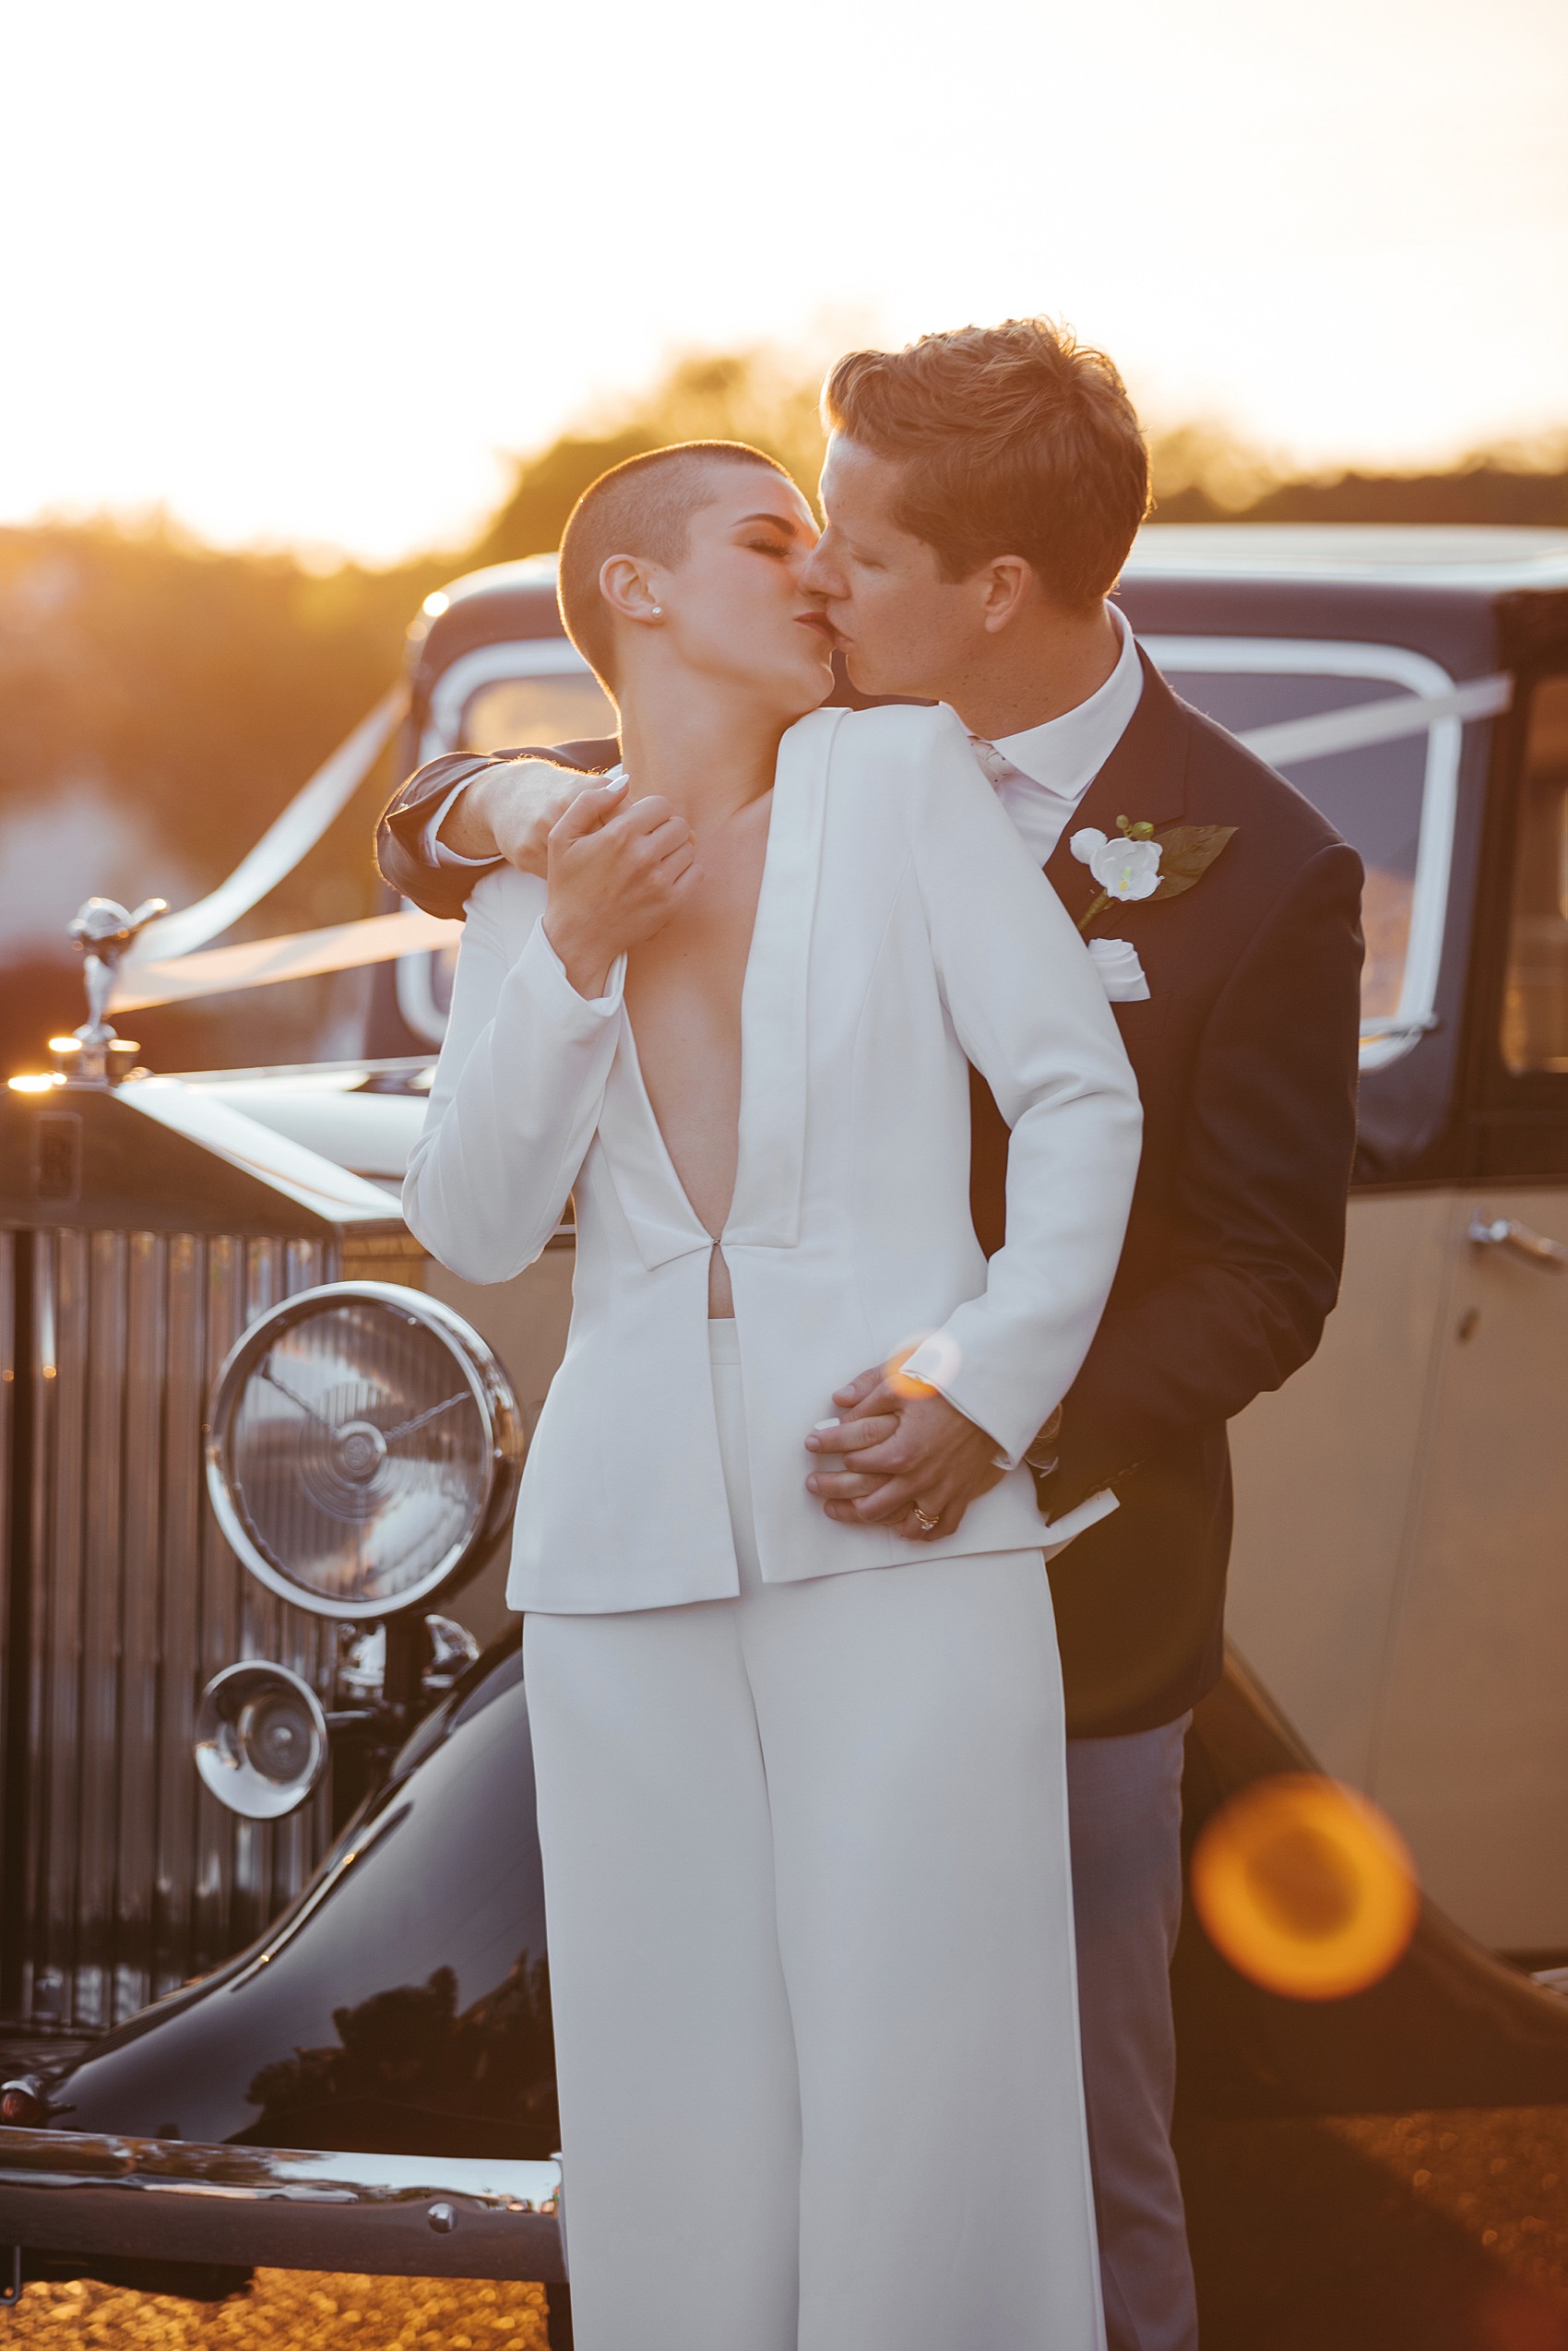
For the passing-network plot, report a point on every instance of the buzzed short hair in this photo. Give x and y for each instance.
(1012, 440)
(643, 507)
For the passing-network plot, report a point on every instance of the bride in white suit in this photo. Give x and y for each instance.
(802, 1785)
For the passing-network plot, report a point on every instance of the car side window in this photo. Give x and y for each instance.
(1534, 1038)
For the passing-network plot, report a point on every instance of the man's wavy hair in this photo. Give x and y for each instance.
(1013, 440)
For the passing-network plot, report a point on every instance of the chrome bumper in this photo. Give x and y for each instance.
(69, 2191)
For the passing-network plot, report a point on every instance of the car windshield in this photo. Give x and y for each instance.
(1392, 800)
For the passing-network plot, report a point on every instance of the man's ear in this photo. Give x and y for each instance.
(626, 584)
(1007, 582)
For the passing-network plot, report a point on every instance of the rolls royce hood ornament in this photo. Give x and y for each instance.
(105, 931)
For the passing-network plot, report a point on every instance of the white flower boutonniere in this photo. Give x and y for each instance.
(1127, 869)
(1135, 865)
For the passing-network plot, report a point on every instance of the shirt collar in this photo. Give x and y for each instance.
(1065, 755)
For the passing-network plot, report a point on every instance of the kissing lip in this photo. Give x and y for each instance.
(820, 622)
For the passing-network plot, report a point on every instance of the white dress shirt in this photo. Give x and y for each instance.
(1040, 774)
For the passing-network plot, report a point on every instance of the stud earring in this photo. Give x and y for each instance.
(658, 612)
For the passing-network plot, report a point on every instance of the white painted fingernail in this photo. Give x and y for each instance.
(827, 1424)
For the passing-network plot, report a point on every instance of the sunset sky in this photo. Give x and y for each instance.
(307, 272)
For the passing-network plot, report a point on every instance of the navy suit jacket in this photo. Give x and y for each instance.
(1245, 1057)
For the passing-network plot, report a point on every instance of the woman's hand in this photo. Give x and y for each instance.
(617, 874)
(901, 1456)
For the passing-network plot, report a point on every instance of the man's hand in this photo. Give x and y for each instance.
(510, 812)
(617, 874)
(902, 1446)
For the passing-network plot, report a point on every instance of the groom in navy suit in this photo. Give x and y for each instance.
(981, 493)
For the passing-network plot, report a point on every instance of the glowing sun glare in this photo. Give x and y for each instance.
(1305, 1887)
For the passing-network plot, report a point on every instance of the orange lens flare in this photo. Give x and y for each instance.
(1305, 1887)
(898, 1379)
(941, 1362)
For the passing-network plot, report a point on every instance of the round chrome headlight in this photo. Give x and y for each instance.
(260, 1739)
(363, 1450)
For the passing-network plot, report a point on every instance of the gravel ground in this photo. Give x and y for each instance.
(283, 2309)
(1420, 2232)
(1425, 2232)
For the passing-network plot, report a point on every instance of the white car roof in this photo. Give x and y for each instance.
(1466, 556)
(1459, 555)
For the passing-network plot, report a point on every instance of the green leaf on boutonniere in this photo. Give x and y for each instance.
(1189, 852)
(1127, 871)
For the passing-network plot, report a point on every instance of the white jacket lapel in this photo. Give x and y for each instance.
(765, 1210)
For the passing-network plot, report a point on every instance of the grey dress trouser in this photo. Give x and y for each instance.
(1124, 1809)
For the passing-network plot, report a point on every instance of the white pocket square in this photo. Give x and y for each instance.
(1121, 973)
(1059, 1532)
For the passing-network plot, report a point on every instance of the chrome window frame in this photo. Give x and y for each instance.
(1390, 1038)
(530, 656)
(525, 656)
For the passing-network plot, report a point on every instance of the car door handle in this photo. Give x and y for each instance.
(1506, 1232)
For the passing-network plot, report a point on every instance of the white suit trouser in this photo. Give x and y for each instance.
(811, 1937)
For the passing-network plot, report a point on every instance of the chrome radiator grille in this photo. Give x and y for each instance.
(123, 1877)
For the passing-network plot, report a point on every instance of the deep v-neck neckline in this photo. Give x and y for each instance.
(645, 1099)
(765, 1206)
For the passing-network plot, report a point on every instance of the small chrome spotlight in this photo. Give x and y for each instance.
(261, 1740)
(453, 1650)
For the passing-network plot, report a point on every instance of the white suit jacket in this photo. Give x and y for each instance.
(900, 927)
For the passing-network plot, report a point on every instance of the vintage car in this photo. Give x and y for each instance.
(272, 1937)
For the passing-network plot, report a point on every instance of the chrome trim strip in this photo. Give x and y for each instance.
(106, 1389)
(281, 2207)
(407, 1064)
(126, 1877)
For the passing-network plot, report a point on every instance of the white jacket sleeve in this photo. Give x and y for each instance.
(517, 1091)
(1032, 1014)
